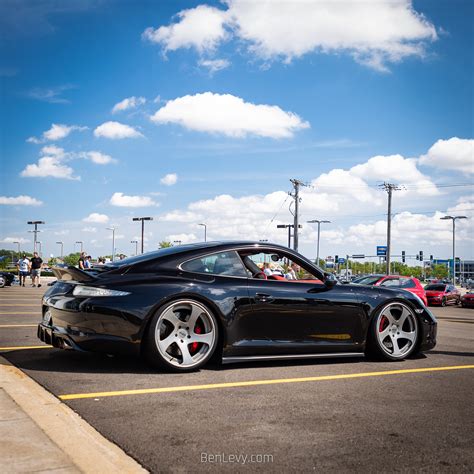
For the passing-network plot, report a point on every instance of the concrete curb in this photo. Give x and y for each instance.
(85, 447)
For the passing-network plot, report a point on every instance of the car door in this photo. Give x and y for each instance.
(300, 317)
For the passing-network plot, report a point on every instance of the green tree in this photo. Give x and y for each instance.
(72, 259)
(165, 244)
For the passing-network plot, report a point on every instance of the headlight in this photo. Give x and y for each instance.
(93, 291)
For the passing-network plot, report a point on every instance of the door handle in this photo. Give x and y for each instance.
(263, 298)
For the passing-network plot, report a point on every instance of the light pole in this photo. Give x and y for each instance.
(205, 232)
(143, 219)
(113, 241)
(80, 242)
(40, 247)
(62, 247)
(453, 218)
(136, 245)
(286, 226)
(35, 223)
(18, 243)
(177, 242)
(319, 222)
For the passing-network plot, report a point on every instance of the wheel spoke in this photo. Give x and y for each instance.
(396, 350)
(384, 333)
(171, 317)
(202, 338)
(388, 314)
(167, 341)
(187, 357)
(195, 313)
(407, 335)
(405, 314)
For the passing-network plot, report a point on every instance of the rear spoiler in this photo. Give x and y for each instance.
(72, 274)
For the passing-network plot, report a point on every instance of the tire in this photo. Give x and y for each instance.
(182, 336)
(2, 282)
(393, 333)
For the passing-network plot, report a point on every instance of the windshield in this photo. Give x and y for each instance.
(435, 287)
(367, 280)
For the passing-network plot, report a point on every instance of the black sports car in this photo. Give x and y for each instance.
(181, 305)
(8, 278)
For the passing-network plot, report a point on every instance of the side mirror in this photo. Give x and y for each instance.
(330, 280)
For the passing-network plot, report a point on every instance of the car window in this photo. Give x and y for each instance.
(391, 282)
(435, 287)
(367, 280)
(222, 263)
(407, 283)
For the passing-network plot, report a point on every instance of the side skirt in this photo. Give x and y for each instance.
(263, 358)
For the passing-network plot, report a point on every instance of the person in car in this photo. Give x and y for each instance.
(292, 273)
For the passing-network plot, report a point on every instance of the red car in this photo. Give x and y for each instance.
(442, 294)
(410, 284)
(467, 300)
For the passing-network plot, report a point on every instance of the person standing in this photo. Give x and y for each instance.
(23, 266)
(36, 264)
(82, 261)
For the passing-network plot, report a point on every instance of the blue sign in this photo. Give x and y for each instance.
(381, 250)
(341, 260)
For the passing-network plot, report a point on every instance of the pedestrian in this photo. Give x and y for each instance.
(292, 273)
(87, 262)
(23, 266)
(36, 264)
(82, 260)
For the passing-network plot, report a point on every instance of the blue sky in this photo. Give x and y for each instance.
(232, 110)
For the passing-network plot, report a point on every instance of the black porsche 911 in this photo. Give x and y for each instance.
(236, 301)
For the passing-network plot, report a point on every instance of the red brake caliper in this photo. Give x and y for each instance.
(195, 345)
(383, 323)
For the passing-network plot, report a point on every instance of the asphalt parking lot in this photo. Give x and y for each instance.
(326, 415)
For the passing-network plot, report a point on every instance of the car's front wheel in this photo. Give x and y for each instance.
(182, 336)
(393, 332)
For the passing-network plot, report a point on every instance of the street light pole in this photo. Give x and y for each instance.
(35, 223)
(286, 226)
(205, 232)
(319, 222)
(113, 241)
(453, 218)
(40, 247)
(143, 219)
(136, 245)
(62, 245)
(80, 242)
(18, 243)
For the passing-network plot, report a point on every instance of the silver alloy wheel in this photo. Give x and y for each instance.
(185, 334)
(397, 330)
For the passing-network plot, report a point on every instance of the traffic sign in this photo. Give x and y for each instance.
(341, 260)
(361, 255)
(381, 250)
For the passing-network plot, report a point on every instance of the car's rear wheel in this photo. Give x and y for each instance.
(182, 336)
(394, 332)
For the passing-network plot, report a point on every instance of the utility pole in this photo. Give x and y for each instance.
(136, 245)
(296, 196)
(205, 231)
(113, 242)
(81, 244)
(62, 246)
(453, 218)
(389, 187)
(143, 219)
(35, 223)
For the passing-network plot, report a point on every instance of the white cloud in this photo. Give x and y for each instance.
(96, 218)
(98, 158)
(11, 240)
(116, 131)
(169, 179)
(201, 28)
(128, 103)
(62, 232)
(56, 132)
(229, 115)
(214, 65)
(92, 230)
(182, 238)
(20, 201)
(121, 200)
(50, 165)
(453, 154)
(374, 33)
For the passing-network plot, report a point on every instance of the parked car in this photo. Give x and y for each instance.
(182, 305)
(410, 284)
(442, 294)
(8, 278)
(467, 300)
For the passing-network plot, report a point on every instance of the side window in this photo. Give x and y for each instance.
(390, 283)
(223, 263)
(407, 283)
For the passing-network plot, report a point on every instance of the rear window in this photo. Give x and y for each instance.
(435, 287)
(222, 263)
(370, 280)
(407, 283)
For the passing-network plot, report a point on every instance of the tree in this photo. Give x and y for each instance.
(72, 259)
(165, 244)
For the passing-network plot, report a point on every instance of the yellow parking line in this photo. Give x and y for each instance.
(18, 325)
(253, 383)
(22, 348)
(19, 312)
(18, 304)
